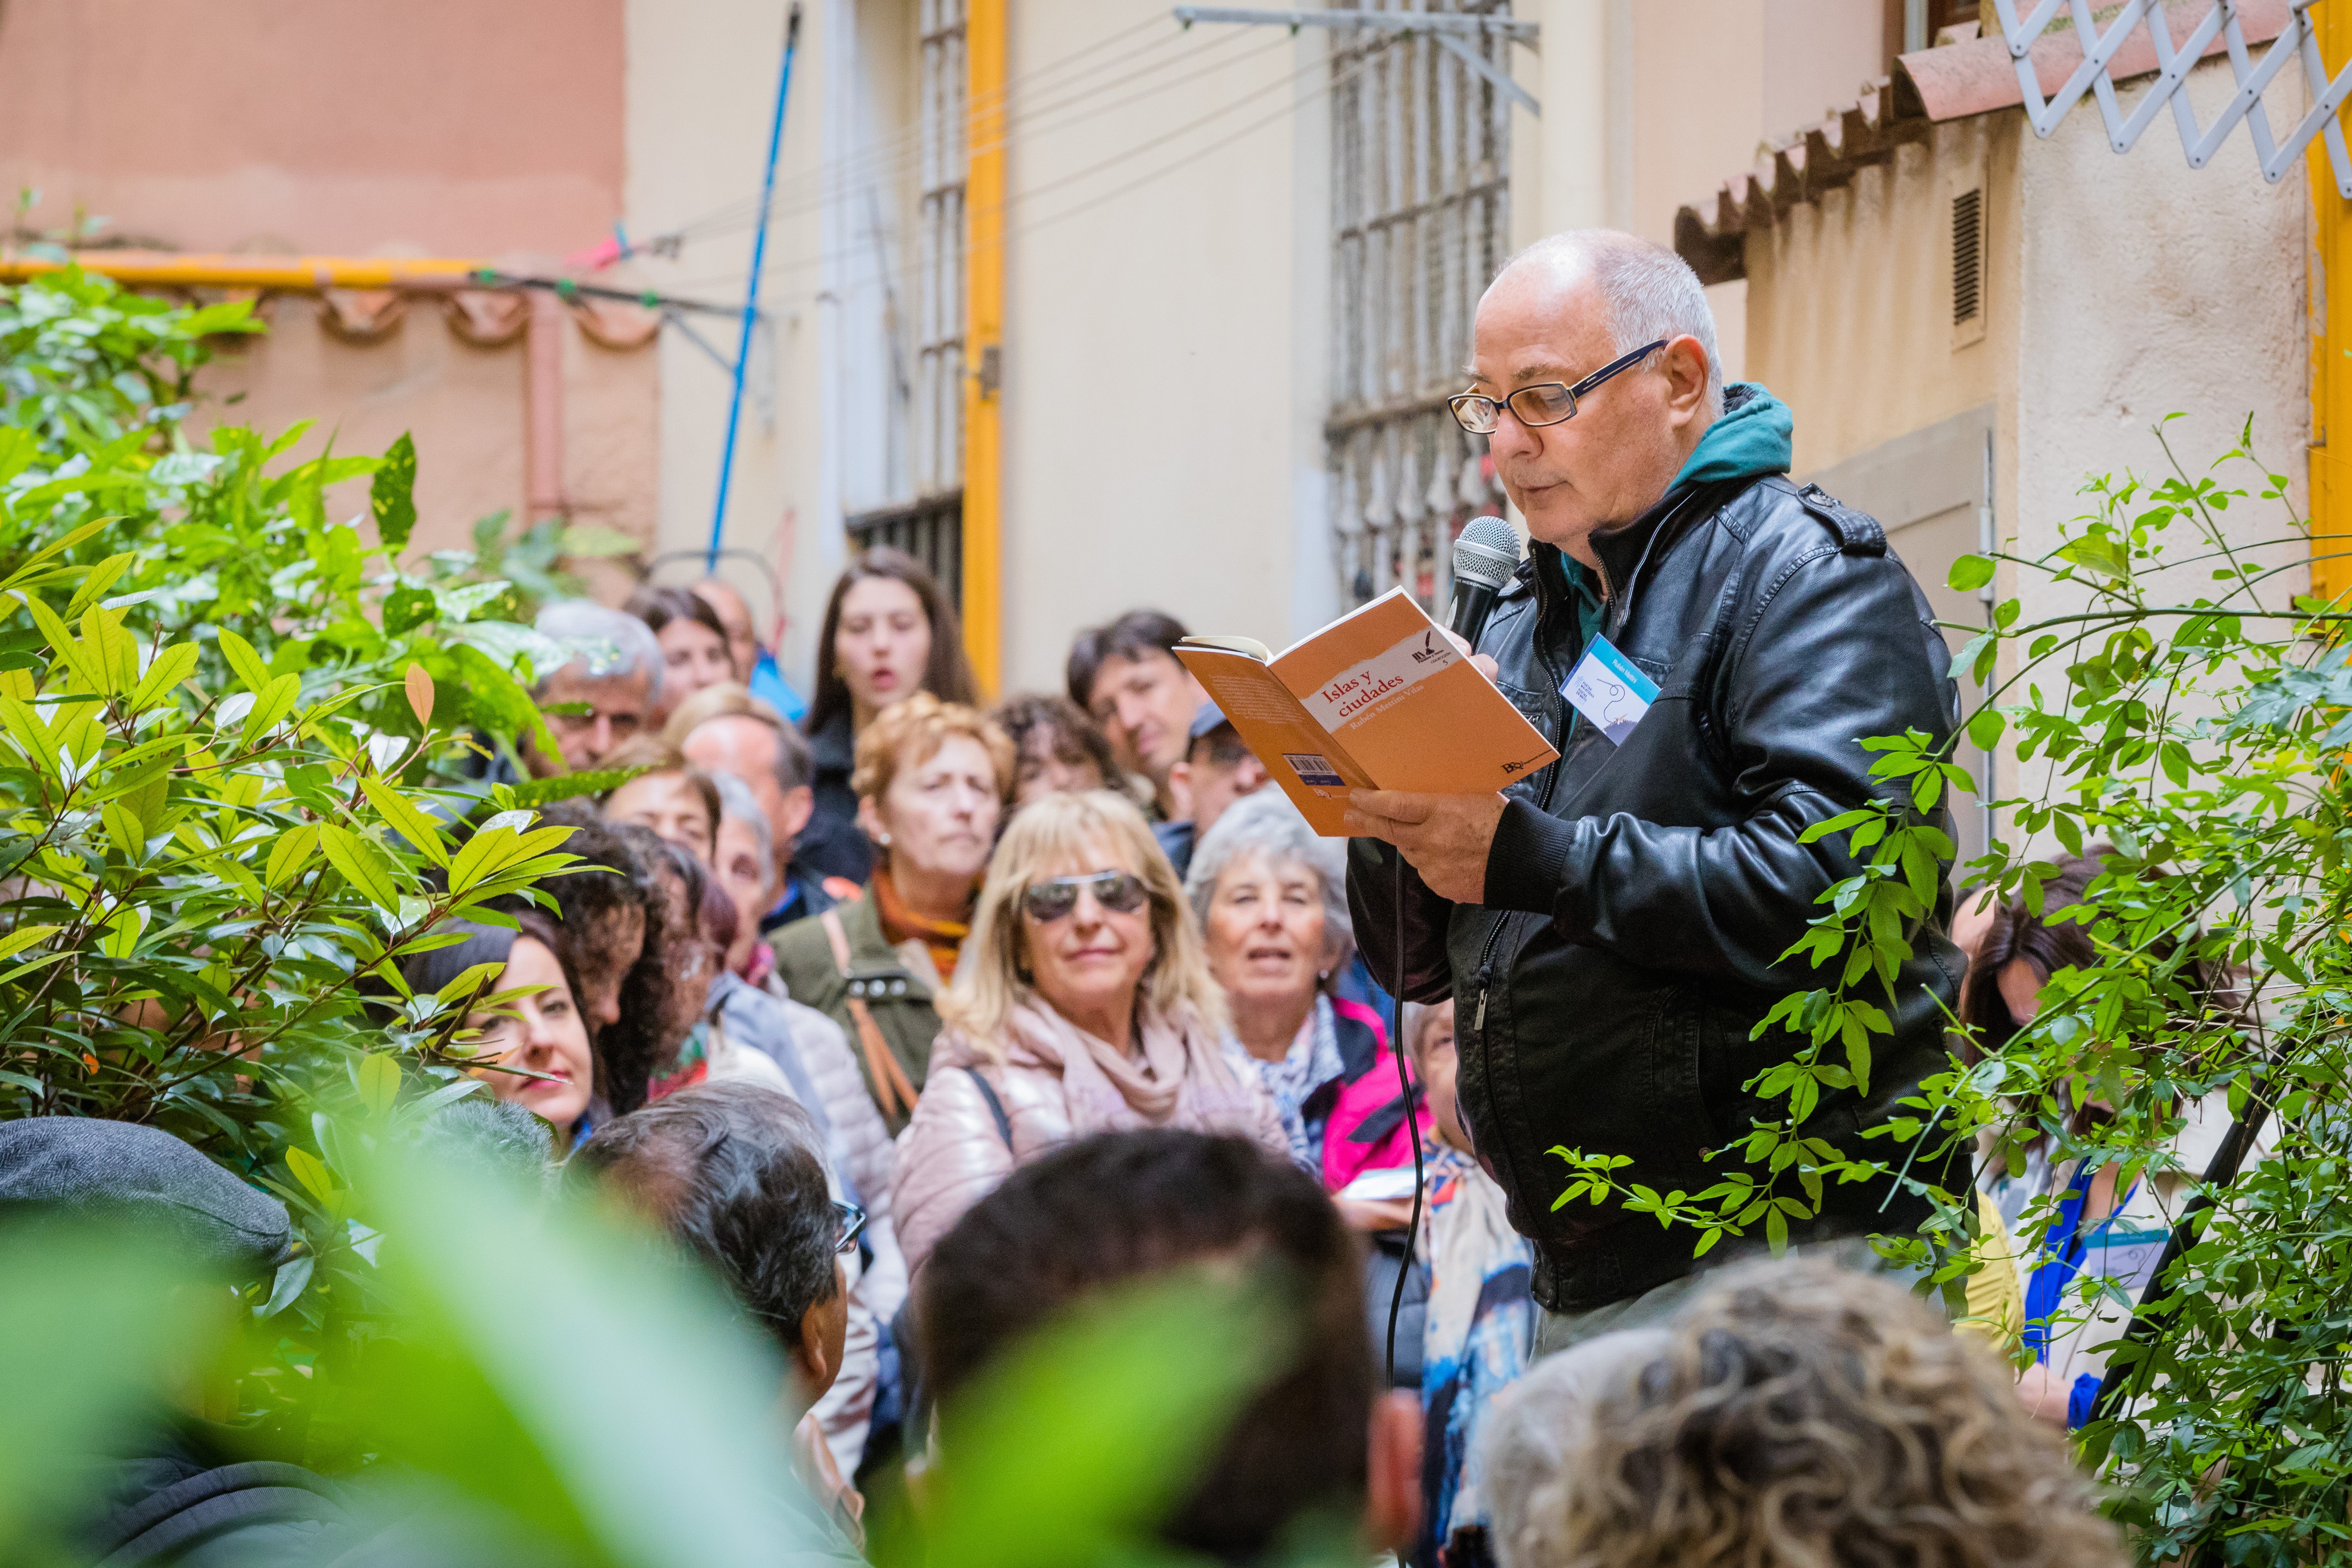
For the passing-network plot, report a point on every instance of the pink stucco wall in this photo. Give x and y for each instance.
(436, 127)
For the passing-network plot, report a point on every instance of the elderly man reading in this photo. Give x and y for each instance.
(1611, 930)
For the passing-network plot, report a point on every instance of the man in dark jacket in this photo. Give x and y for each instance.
(1612, 928)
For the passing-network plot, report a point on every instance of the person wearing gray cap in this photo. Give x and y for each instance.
(1217, 770)
(174, 1492)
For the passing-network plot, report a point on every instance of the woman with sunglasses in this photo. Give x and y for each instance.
(1085, 1004)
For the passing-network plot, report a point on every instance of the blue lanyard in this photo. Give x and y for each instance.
(2045, 1292)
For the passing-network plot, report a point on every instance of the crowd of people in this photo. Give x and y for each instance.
(921, 1023)
(1037, 996)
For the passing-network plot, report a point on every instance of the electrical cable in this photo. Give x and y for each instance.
(1039, 122)
(892, 153)
(739, 206)
(1344, 76)
(1412, 1118)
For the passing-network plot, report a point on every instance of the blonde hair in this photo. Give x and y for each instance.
(909, 732)
(988, 983)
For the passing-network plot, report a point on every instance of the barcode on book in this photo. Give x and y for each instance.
(1314, 768)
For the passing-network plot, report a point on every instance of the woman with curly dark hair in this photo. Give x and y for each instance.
(1795, 1416)
(612, 920)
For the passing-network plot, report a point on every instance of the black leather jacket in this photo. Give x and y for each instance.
(1639, 896)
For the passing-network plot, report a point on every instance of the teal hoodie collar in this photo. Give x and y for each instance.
(1750, 440)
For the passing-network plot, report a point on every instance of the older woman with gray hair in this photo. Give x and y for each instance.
(1271, 897)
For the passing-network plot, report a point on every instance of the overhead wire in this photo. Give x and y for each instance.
(908, 144)
(1043, 120)
(1035, 80)
(1337, 77)
(1153, 142)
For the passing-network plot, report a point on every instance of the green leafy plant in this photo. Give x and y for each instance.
(2176, 703)
(236, 736)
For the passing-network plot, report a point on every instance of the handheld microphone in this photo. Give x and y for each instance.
(1484, 558)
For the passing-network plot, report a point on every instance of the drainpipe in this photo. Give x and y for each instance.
(543, 409)
(983, 338)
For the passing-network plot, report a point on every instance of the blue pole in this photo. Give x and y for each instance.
(751, 292)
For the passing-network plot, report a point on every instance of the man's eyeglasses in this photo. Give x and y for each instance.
(571, 718)
(1121, 892)
(848, 1219)
(1546, 403)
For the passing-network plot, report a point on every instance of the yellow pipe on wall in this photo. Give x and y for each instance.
(2331, 339)
(287, 274)
(983, 335)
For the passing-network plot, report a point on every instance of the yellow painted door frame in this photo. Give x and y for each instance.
(2331, 339)
(983, 337)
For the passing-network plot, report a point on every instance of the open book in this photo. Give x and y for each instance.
(1378, 699)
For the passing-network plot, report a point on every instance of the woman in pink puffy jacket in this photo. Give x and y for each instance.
(1082, 1005)
(1272, 899)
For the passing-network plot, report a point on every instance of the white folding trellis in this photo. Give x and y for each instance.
(2299, 43)
(1421, 198)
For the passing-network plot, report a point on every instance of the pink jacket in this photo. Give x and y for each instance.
(1366, 1130)
(1055, 1083)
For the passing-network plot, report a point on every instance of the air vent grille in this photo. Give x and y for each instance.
(1968, 256)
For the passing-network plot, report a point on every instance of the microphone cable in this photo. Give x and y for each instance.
(1412, 1120)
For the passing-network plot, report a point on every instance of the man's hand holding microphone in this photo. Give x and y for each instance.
(1447, 838)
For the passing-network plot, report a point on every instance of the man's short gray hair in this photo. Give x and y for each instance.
(1526, 1450)
(1267, 823)
(1651, 292)
(738, 804)
(607, 642)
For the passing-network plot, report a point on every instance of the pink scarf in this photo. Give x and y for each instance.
(1179, 1078)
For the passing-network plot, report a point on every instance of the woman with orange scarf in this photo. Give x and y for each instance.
(931, 778)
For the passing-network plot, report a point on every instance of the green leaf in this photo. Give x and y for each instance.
(407, 607)
(312, 1173)
(1969, 574)
(170, 667)
(1985, 729)
(568, 786)
(275, 701)
(379, 1082)
(23, 937)
(392, 495)
(361, 865)
(291, 853)
(101, 577)
(244, 661)
(288, 1283)
(406, 819)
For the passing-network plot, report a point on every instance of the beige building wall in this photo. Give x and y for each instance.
(2151, 288)
(1152, 385)
(2118, 290)
(1167, 269)
(698, 89)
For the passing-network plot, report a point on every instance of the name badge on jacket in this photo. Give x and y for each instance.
(1608, 689)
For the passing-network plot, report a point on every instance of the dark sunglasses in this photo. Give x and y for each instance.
(850, 1219)
(1122, 892)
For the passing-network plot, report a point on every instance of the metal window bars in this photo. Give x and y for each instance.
(2174, 57)
(1421, 198)
(938, 444)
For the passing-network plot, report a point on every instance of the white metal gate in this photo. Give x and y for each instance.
(1420, 195)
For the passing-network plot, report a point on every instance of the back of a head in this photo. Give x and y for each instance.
(88, 1169)
(1121, 1206)
(1798, 1414)
(602, 641)
(735, 1173)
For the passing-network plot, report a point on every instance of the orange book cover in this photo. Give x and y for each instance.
(1378, 699)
